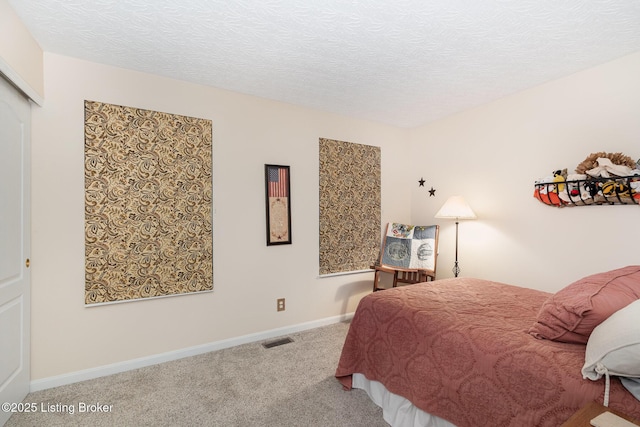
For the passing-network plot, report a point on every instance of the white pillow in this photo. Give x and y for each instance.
(614, 345)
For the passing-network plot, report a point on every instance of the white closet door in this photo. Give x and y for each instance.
(15, 298)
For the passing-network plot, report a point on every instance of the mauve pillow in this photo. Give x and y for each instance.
(571, 314)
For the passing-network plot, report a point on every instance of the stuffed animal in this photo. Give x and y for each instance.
(612, 188)
(560, 176)
(592, 187)
(573, 182)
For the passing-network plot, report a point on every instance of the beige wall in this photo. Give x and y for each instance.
(248, 276)
(492, 155)
(20, 54)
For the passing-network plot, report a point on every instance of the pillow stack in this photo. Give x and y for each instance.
(603, 311)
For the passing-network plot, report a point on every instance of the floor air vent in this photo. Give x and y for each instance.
(276, 343)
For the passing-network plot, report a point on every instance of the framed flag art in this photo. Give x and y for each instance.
(278, 203)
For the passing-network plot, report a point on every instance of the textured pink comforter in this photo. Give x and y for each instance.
(459, 349)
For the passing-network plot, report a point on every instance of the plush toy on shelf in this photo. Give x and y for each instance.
(559, 176)
(547, 188)
(576, 191)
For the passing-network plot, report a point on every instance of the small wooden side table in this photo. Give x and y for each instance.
(588, 412)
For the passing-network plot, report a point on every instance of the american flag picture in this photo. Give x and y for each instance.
(278, 205)
(277, 177)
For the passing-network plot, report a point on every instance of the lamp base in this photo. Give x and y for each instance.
(456, 269)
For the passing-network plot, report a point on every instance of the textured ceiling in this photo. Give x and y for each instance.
(401, 62)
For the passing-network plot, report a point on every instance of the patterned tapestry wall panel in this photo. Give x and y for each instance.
(148, 193)
(349, 206)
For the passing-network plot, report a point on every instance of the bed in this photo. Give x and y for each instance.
(463, 352)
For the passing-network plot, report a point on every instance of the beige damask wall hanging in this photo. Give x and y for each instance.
(148, 193)
(349, 206)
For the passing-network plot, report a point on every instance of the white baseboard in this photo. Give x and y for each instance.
(101, 371)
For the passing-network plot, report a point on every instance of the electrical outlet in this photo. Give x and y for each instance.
(280, 304)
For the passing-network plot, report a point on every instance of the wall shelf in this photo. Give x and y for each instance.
(623, 190)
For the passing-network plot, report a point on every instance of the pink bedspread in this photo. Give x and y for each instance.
(458, 349)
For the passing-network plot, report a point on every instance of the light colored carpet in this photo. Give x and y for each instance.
(247, 385)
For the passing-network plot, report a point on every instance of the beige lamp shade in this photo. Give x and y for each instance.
(456, 207)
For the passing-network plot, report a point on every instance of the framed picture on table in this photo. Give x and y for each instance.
(278, 202)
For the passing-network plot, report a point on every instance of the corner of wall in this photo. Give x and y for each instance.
(21, 58)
